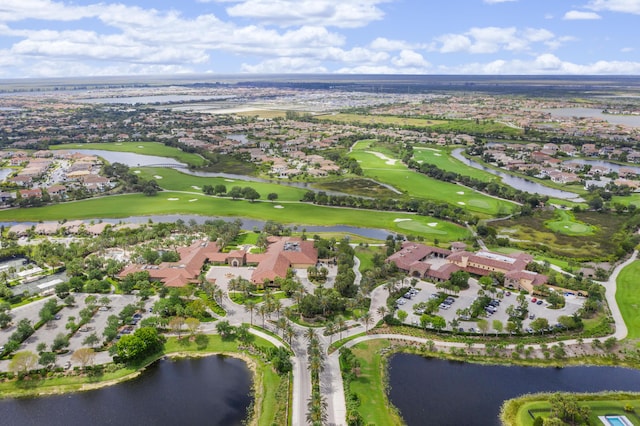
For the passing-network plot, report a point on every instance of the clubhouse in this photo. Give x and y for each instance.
(438, 264)
(282, 253)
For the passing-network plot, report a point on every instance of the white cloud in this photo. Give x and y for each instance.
(494, 39)
(336, 13)
(409, 59)
(387, 45)
(624, 6)
(627, 49)
(285, 65)
(544, 64)
(580, 15)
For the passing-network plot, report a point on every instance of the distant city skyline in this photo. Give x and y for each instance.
(49, 38)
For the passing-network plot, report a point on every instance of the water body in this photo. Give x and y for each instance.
(379, 234)
(159, 99)
(518, 182)
(627, 120)
(212, 391)
(240, 137)
(5, 172)
(438, 392)
(132, 159)
(611, 166)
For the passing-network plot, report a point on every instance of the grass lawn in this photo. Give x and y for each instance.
(365, 255)
(381, 165)
(389, 120)
(123, 206)
(598, 408)
(441, 157)
(146, 148)
(369, 386)
(565, 222)
(628, 298)
(174, 180)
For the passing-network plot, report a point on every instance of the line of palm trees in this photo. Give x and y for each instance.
(317, 404)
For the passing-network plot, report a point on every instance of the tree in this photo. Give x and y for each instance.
(46, 359)
(367, 319)
(250, 306)
(225, 330)
(23, 361)
(5, 317)
(402, 315)
(193, 324)
(539, 324)
(175, 324)
(91, 340)
(565, 407)
(483, 326)
(272, 196)
(460, 279)
(250, 193)
(60, 342)
(498, 326)
(84, 356)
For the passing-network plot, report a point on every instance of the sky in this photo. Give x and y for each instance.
(49, 38)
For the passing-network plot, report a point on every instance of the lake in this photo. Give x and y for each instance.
(518, 182)
(212, 391)
(430, 391)
(628, 120)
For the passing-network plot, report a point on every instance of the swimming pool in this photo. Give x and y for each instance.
(615, 421)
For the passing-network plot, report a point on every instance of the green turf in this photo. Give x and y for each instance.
(441, 157)
(598, 408)
(369, 385)
(381, 165)
(565, 222)
(123, 206)
(146, 148)
(628, 298)
(174, 180)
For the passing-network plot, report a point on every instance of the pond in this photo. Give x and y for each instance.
(518, 182)
(628, 120)
(206, 391)
(431, 391)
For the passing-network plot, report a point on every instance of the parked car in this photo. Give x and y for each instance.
(539, 302)
(534, 300)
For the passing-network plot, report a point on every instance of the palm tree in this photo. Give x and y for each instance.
(250, 306)
(310, 334)
(340, 321)
(281, 324)
(367, 318)
(382, 311)
(262, 311)
(329, 329)
(290, 332)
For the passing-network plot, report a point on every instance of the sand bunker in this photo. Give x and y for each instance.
(229, 180)
(193, 199)
(157, 177)
(197, 188)
(136, 171)
(437, 155)
(461, 203)
(433, 224)
(460, 192)
(173, 199)
(140, 146)
(401, 219)
(389, 161)
(278, 207)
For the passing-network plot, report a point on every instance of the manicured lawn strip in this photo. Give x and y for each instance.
(472, 127)
(174, 180)
(365, 255)
(441, 157)
(145, 148)
(628, 298)
(380, 119)
(601, 404)
(123, 206)
(418, 185)
(369, 385)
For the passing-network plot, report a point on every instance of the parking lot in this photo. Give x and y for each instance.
(48, 333)
(425, 290)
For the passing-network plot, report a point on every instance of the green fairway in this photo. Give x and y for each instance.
(380, 165)
(174, 180)
(145, 148)
(565, 223)
(123, 206)
(628, 298)
(442, 158)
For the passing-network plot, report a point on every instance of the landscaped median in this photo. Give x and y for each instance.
(524, 410)
(270, 390)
